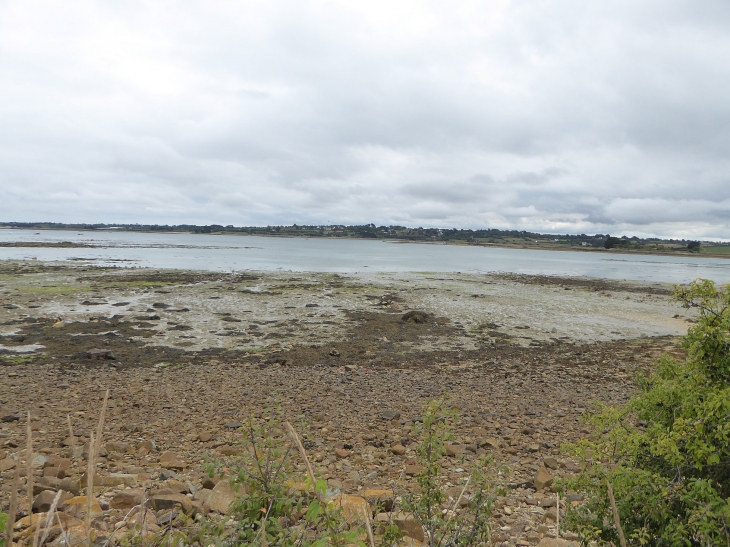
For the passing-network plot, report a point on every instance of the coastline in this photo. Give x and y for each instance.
(703, 253)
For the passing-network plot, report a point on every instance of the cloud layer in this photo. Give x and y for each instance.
(550, 116)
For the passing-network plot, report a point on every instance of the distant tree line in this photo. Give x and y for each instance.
(371, 231)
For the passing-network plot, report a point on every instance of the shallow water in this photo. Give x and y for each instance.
(233, 252)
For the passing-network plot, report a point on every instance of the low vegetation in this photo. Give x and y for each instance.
(666, 454)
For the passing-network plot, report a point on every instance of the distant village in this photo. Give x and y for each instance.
(487, 237)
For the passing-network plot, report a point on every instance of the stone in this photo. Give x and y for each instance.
(548, 502)
(10, 418)
(557, 542)
(551, 514)
(43, 501)
(390, 414)
(7, 464)
(405, 522)
(118, 446)
(163, 502)
(228, 450)
(70, 485)
(203, 495)
(453, 450)
(490, 443)
(126, 499)
(353, 507)
(233, 425)
(550, 462)
(204, 436)
(100, 354)
(221, 498)
(379, 498)
(118, 479)
(77, 505)
(341, 453)
(533, 448)
(413, 469)
(398, 449)
(542, 479)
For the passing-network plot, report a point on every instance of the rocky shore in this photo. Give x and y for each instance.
(190, 358)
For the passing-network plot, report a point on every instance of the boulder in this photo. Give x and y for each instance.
(354, 508)
(542, 479)
(126, 499)
(160, 502)
(405, 522)
(390, 414)
(221, 498)
(43, 501)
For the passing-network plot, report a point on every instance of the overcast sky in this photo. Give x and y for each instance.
(559, 116)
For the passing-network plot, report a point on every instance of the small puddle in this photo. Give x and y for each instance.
(30, 348)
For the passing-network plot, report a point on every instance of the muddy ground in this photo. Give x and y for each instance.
(187, 355)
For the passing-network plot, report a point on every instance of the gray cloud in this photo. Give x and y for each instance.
(548, 115)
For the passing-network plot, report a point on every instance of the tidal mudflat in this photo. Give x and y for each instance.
(190, 356)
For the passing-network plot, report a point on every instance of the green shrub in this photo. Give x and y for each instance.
(667, 452)
(453, 527)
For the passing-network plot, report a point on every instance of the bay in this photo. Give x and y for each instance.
(237, 253)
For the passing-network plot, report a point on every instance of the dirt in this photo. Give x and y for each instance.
(186, 353)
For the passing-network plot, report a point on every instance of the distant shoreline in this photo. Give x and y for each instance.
(703, 253)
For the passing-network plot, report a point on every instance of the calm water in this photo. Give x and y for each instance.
(230, 252)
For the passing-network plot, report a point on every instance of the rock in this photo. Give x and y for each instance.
(126, 499)
(7, 464)
(117, 479)
(390, 414)
(10, 418)
(163, 502)
(170, 460)
(557, 542)
(398, 449)
(58, 324)
(70, 485)
(100, 354)
(341, 453)
(551, 514)
(533, 448)
(453, 450)
(221, 498)
(405, 522)
(548, 502)
(204, 436)
(118, 446)
(416, 317)
(43, 501)
(413, 470)
(490, 443)
(354, 508)
(203, 495)
(234, 425)
(550, 462)
(542, 479)
(210, 482)
(228, 450)
(77, 505)
(379, 498)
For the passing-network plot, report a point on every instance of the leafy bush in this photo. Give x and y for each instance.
(447, 526)
(667, 452)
